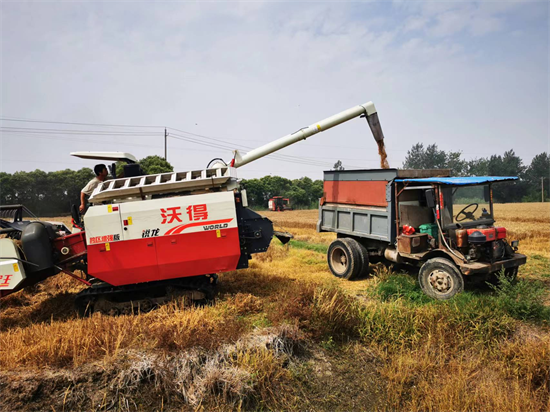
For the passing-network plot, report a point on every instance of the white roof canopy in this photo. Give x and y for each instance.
(113, 156)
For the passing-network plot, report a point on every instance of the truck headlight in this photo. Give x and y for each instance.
(515, 243)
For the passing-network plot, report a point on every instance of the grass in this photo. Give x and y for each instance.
(286, 334)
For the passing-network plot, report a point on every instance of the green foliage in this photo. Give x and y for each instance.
(45, 194)
(303, 192)
(528, 188)
(153, 165)
(522, 299)
(52, 193)
(431, 157)
(400, 286)
(299, 244)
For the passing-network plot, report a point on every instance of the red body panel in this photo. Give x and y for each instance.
(490, 233)
(165, 257)
(130, 261)
(501, 232)
(76, 243)
(362, 193)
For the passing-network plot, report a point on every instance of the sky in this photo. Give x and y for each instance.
(468, 76)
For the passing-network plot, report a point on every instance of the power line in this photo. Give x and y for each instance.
(11, 119)
(223, 145)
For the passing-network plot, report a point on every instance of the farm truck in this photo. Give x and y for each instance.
(148, 238)
(443, 225)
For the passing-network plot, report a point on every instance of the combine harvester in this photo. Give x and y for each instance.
(149, 238)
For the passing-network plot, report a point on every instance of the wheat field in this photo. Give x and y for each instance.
(287, 335)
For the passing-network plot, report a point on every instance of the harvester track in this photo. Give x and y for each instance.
(144, 297)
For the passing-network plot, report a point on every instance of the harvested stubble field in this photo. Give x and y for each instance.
(285, 334)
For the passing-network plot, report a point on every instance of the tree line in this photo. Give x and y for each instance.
(52, 193)
(527, 189)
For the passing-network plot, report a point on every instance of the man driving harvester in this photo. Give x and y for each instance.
(101, 175)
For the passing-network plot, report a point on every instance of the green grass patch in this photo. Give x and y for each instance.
(522, 299)
(400, 286)
(299, 244)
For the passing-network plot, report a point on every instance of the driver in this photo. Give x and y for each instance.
(100, 176)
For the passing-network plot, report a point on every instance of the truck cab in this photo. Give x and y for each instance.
(443, 225)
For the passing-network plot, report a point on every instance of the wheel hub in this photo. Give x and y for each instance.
(339, 260)
(441, 281)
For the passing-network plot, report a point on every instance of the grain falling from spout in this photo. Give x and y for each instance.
(383, 155)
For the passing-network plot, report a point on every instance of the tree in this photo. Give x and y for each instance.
(507, 165)
(537, 170)
(153, 165)
(431, 157)
(338, 165)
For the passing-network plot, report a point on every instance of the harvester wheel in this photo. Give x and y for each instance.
(344, 258)
(440, 279)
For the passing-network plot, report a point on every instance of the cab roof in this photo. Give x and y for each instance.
(460, 181)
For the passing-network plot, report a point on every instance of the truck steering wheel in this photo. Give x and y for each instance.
(467, 215)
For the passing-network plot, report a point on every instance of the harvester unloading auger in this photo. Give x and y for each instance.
(148, 238)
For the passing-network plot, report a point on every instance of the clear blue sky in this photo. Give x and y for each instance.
(469, 76)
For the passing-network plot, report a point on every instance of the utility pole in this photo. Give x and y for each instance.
(542, 187)
(165, 144)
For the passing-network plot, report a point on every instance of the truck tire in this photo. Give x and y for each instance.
(344, 258)
(440, 279)
(365, 260)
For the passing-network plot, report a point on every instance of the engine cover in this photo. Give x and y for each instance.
(489, 233)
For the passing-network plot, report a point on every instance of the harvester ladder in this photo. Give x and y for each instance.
(163, 183)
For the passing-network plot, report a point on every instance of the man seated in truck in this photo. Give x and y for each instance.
(101, 175)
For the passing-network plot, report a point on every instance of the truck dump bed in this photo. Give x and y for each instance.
(361, 202)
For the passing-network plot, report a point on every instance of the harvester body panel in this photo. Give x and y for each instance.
(12, 271)
(163, 238)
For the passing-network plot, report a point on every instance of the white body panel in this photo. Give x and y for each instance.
(160, 217)
(139, 186)
(11, 270)
(112, 156)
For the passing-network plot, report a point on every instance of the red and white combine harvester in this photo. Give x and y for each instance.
(148, 238)
(279, 204)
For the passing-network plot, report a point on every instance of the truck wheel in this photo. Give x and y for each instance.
(344, 258)
(364, 259)
(440, 279)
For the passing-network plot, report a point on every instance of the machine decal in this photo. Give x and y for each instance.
(150, 232)
(195, 212)
(170, 214)
(5, 280)
(103, 239)
(215, 224)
